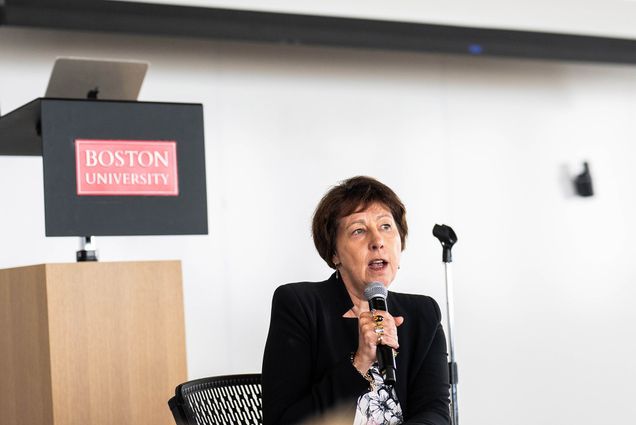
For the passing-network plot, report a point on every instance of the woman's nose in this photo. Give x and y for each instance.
(376, 241)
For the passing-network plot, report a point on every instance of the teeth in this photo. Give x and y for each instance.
(377, 262)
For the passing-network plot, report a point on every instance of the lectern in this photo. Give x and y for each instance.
(101, 343)
(90, 343)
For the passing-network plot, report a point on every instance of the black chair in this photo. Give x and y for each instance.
(219, 400)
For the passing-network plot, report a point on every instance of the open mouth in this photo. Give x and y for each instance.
(378, 264)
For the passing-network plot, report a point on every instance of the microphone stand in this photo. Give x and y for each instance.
(447, 238)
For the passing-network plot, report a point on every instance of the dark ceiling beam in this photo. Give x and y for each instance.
(285, 28)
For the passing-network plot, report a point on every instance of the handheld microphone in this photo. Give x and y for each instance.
(376, 293)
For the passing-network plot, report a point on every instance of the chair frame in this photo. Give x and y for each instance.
(181, 408)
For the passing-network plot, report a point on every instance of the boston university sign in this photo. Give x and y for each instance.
(126, 167)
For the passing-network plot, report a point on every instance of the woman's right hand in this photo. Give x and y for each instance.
(369, 339)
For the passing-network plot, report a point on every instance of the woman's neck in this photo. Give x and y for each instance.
(360, 303)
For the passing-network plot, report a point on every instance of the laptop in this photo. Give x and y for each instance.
(87, 78)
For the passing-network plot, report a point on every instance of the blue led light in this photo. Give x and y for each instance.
(475, 49)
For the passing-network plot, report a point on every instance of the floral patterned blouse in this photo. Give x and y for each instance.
(380, 405)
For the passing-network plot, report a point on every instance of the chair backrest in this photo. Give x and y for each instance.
(219, 400)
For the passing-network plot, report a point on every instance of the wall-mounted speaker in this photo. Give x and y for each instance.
(583, 182)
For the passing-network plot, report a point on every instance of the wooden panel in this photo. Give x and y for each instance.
(117, 341)
(25, 380)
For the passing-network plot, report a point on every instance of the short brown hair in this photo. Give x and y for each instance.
(352, 195)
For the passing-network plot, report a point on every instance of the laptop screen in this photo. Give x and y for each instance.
(82, 78)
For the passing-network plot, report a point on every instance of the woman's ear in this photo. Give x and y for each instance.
(335, 260)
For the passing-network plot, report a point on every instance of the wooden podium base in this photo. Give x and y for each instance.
(91, 343)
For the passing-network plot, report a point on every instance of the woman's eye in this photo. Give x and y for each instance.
(386, 226)
(358, 232)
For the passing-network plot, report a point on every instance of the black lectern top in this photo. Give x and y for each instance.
(114, 167)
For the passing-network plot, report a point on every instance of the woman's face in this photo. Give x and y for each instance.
(368, 247)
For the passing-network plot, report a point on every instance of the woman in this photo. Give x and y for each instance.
(321, 348)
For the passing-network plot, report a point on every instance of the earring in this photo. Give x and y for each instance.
(337, 274)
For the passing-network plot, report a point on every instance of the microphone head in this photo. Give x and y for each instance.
(375, 289)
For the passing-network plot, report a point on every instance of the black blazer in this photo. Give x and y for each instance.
(307, 366)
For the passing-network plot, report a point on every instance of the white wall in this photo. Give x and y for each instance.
(544, 281)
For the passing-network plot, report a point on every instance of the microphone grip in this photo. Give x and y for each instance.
(386, 364)
(386, 359)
